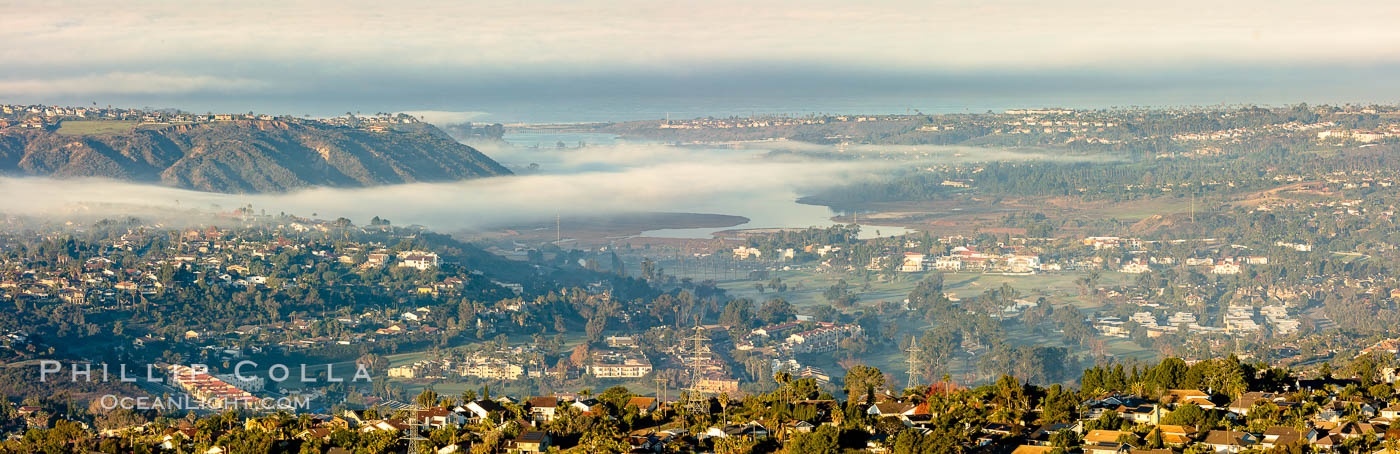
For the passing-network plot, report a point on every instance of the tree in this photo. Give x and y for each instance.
(823, 440)
(427, 399)
(862, 380)
(1186, 415)
(1154, 440)
(724, 406)
(776, 310)
(839, 294)
(579, 355)
(604, 438)
(1064, 438)
(889, 425)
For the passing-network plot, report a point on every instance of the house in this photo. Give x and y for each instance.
(1106, 436)
(1392, 412)
(529, 442)
(439, 417)
(482, 409)
(315, 433)
(645, 405)
(750, 431)
(174, 437)
(1229, 441)
(1242, 405)
(1141, 414)
(1352, 429)
(1041, 436)
(1106, 447)
(1327, 442)
(1177, 397)
(588, 406)
(994, 428)
(543, 409)
(384, 424)
(891, 408)
(1175, 435)
(1033, 449)
(1282, 436)
(800, 426)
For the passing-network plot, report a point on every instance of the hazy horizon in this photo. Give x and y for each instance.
(611, 61)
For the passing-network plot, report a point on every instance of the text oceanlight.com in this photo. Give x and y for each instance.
(185, 402)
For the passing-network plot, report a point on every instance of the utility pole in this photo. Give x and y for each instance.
(1193, 207)
(660, 390)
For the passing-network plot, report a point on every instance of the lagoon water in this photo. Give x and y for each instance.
(764, 209)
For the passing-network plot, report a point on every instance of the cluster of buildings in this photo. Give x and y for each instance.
(962, 258)
(1239, 135)
(764, 121)
(1237, 320)
(1360, 135)
(492, 365)
(1220, 266)
(798, 337)
(619, 363)
(40, 116)
(214, 391)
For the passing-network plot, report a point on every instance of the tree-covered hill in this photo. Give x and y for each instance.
(248, 155)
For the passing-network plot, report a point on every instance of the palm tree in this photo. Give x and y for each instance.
(683, 410)
(724, 406)
(785, 379)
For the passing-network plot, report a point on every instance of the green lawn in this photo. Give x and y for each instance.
(1057, 287)
(95, 127)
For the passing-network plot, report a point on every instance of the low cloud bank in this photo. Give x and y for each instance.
(622, 178)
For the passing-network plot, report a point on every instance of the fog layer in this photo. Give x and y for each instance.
(592, 180)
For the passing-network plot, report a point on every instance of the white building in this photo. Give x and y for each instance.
(1023, 263)
(913, 262)
(420, 261)
(1225, 268)
(947, 263)
(743, 252)
(1135, 268)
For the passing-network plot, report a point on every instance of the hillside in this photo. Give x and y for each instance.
(245, 156)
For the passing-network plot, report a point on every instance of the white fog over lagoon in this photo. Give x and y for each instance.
(772, 208)
(612, 177)
(622, 178)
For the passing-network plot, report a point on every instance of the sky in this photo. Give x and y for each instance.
(615, 60)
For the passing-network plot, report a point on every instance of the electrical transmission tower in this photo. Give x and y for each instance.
(695, 352)
(413, 437)
(915, 364)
